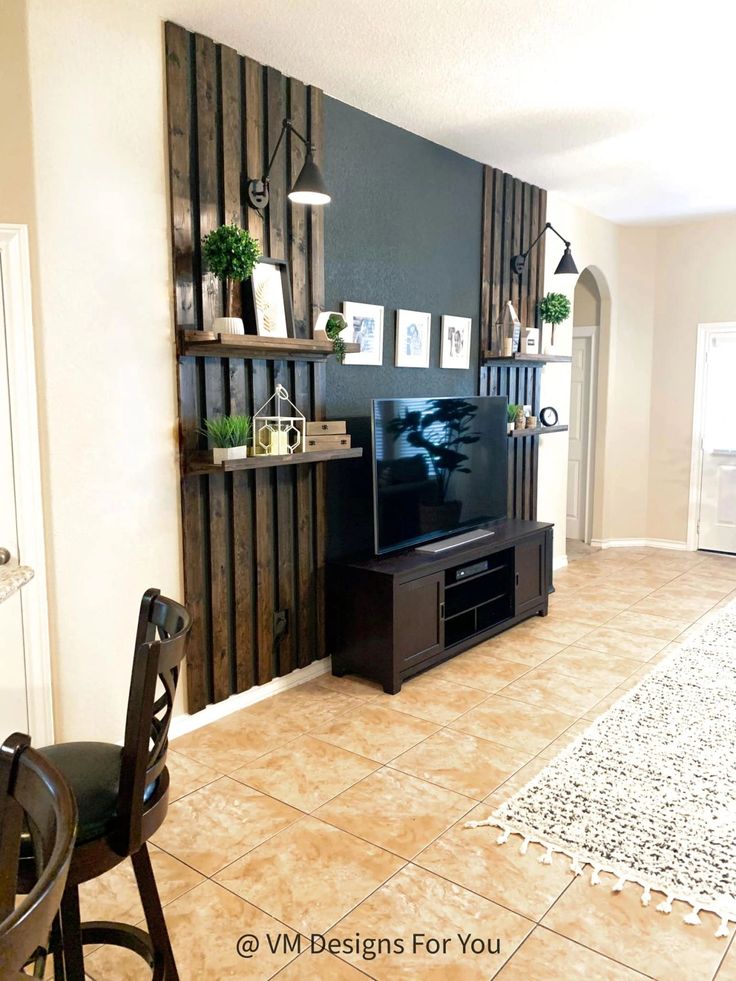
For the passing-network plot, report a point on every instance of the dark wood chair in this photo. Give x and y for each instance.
(33, 796)
(122, 795)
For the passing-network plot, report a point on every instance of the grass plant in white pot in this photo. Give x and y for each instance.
(229, 436)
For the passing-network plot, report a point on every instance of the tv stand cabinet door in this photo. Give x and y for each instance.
(418, 624)
(530, 574)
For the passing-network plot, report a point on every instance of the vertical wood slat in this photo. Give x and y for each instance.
(178, 74)
(513, 214)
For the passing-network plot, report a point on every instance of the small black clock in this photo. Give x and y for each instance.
(548, 416)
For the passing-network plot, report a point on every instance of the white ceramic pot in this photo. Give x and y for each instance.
(321, 324)
(222, 453)
(228, 325)
(509, 427)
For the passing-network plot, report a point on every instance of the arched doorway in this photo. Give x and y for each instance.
(589, 309)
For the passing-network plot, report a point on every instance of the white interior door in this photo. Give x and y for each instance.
(717, 517)
(577, 461)
(13, 687)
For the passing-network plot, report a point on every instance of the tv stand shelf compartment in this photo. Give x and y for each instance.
(207, 344)
(391, 617)
(199, 463)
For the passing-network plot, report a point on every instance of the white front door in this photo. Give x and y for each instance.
(13, 689)
(717, 518)
(577, 461)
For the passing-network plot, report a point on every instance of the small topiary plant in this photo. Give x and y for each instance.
(553, 309)
(227, 431)
(231, 254)
(336, 323)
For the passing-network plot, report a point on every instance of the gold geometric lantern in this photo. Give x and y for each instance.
(279, 431)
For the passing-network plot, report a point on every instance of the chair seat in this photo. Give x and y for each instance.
(92, 770)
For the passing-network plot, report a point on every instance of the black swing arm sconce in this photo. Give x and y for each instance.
(309, 187)
(565, 265)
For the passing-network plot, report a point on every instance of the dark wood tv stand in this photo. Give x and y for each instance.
(390, 618)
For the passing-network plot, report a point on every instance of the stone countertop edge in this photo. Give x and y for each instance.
(11, 579)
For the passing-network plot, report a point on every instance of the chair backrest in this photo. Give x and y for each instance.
(33, 794)
(163, 625)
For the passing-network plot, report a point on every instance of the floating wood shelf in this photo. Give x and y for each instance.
(199, 463)
(208, 344)
(537, 431)
(489, 358)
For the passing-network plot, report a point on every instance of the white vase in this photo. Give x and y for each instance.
(222, 453)
(228, 325)
(321, 324)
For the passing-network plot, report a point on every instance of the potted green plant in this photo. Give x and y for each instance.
(229, 436)
(231, 254)
(553, 309)
(332, 324)
(512, 410)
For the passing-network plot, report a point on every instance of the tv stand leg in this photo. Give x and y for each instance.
(392, 687)
(543, 613)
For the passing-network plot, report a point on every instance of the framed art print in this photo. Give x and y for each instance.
(365, 327)
(271, 291)
(456, 337)
(413, 338)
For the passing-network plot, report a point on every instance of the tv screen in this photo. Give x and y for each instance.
(439, 466)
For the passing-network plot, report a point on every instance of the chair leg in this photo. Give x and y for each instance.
(72, 953)
(154, 913)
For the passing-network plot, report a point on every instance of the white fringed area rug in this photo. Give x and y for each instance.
(648, 792)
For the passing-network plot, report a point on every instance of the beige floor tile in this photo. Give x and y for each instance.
(114, 895)
(350, 684)
(460, 762)
(563, 741)
(515, 782)
(432, 698)
(473, 858)
(187, 775)
(584, 663)
(213, 826)
(484, 671)
(550, 688)
(664, 628)
(544, 956)
(591, 611)
(622, 594)
(605, 704)
(560, 630)
(375, 732)
(727, 971)
(305, 773)
(205, 925)
(520, 648)
(320, 966)
(304, 707)
(416, 905)
(609, 640)
(396, 811)
(514, 724)
(234, 740)
(686, 610)
(617, 925)
(310, 875)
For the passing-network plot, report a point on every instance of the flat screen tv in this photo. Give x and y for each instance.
(439, 467)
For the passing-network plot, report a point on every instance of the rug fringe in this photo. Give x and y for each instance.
(578, 864)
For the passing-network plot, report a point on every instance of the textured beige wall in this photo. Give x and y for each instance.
(16, 157)
(105, 343)
(696, 283)
(586, 301)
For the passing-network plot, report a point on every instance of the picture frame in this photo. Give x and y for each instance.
(457, 333)
(413, 338)
(365, 327)
(270, 298)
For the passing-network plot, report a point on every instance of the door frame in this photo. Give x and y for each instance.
(16, 268)
(696, 455)
(593, 334)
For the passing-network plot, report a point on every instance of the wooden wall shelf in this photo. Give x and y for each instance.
(537, 431)
(208, 344)
(199, 463)
(489, 358)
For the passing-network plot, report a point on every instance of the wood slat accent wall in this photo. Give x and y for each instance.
(513, 215)
(253, 541)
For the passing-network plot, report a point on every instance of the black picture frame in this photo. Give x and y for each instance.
(250, 300)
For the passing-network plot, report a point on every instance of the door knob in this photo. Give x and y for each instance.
(4, 556)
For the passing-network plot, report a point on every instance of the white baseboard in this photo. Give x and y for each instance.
(181, 724)
(559, 563)
(639, 543)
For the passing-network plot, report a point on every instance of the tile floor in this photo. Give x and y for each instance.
(338, 810)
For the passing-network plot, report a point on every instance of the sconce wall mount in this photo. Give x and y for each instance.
(309, 187)
(565, 265)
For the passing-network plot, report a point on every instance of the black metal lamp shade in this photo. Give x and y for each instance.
(566, 265)
(309, 187)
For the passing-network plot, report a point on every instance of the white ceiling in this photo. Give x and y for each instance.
(624, 106)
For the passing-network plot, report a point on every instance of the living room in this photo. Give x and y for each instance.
(438, 475)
